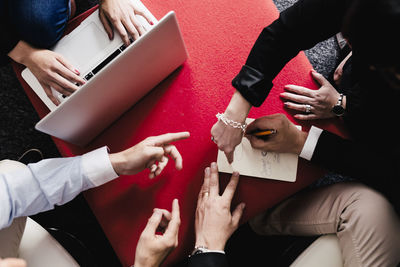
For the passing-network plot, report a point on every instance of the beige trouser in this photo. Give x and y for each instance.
(366, 224)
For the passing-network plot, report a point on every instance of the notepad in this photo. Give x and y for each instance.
(260, 164)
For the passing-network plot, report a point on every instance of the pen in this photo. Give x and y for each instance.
(263, 133)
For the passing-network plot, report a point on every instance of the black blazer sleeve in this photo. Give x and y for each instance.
(211, 259)
(299, 27)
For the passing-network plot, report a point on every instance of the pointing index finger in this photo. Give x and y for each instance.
(167, 138)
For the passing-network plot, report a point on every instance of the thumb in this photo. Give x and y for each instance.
(319, 78)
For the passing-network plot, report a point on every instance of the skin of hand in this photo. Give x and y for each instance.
(227, 137)
(51, 69)
(121, 15)
(214, 222)
(287, 139)
(321, 100)
(337, 75)
(12, 262)
(147, 154)
(153, 248)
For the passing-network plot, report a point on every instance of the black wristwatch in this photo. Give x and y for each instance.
(338, 108)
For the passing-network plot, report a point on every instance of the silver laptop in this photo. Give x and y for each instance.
(117, 76)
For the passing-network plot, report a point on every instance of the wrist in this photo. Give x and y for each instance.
(238, 108)
(20, 53)
(210, 245)
(301, 140)
(118, 163)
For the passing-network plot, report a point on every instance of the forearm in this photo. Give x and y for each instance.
(238, 108)
(40, 186)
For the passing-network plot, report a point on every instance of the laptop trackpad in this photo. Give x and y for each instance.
(83, 47)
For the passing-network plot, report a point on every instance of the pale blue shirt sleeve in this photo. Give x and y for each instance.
(40, 186)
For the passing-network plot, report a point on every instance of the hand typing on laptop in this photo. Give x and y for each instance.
(51, 69)
(121, 15)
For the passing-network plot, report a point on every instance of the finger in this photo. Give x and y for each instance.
(59, 89)
(319, 78)
(174, 223)
(214, 180)
(72, 71)
(144, 15)
(237, 214)
(106, 24)
(66, 85)
(153, 167)
(229, 156)
(154, 153)
(306, 117)
(130, 27)
(153, 223)
(122, 32)
(299, 90)
(166, 217)
(260, 123)
(136, 23)
(49, 93)
(296, 98)
(176, 156)
(161, 165)
(257, 142)
(169, 138)
(298, 107)
(205, 188)
(231, 187)
(69, 75)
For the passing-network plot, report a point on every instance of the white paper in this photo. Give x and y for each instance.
(256, 163)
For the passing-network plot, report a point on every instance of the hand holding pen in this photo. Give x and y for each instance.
(275, 133)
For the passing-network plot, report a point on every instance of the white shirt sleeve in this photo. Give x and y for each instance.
(311, 142)
(97, 166)
(38, 187)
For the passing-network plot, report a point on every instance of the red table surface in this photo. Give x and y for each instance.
(218, 36)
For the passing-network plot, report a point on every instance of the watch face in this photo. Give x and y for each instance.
(338, 110)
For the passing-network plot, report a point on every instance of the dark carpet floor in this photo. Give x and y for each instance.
(73, 224)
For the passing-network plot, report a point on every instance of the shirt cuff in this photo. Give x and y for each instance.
(311, 142)
(97, 166)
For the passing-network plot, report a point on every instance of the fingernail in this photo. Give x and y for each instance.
(77, 72)
(235, 173)
(207, 170)
(214, 165)
(151, 23)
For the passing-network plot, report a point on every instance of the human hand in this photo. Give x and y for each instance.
(153, 248)
(51, 69)
(321, 100)
(214, 222)
(121, 14)
(147, 153)
(12, 262)
(227, 137)
(287, 139)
